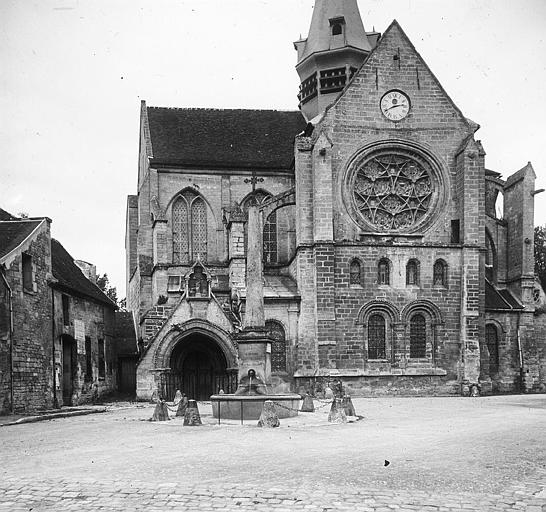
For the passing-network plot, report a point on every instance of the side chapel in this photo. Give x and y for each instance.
(389, 262)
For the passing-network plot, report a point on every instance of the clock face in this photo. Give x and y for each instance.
(395, 105)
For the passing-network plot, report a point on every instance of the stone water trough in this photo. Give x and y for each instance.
(249, 407)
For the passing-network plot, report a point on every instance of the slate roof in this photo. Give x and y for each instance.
(224, 138)
(4, 215)
(280, 287)
(499, 299)
(71, 278)
(14, 232)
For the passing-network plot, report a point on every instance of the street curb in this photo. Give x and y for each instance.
(52, 416)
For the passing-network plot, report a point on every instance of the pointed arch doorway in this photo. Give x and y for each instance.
(199, 368)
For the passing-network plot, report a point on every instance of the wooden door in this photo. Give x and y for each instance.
(67, 373)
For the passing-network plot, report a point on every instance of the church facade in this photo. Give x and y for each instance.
(387, 262)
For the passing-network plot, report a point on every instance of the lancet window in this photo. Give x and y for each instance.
(412, 273)
(278, 346)
(383, 272)
(355, 273)
(270, 241)
(189, 228)
(439, 273)
(376, 337)
(492, 341)
(418, 336)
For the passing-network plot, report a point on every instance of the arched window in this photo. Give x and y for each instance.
(278, 347)
(270, 239)
(337, 29)
(439, 273)
(383, 272)
(418, 336)
(490, 258)
(412, 273)
(270, 242)
(354, 273)
(376, 337)
(189, 228)
(492, 341)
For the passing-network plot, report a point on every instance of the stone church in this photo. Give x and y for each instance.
(394, 260)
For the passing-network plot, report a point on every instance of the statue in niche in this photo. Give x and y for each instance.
(198, 284)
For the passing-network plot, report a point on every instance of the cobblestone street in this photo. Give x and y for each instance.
(438, 454)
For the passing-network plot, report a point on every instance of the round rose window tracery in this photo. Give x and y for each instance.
(393, 189)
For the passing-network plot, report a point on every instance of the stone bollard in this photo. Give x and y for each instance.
(307, 405)
(177, 397)
(269, 418)
(348, 406)
(337, 414)
(161, 413)
(182, 406)
(191, 416)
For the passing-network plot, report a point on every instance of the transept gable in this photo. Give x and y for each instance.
(395, 65)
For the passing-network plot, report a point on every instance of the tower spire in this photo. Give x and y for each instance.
(335, 48)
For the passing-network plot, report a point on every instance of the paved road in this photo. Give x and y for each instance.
(444, 454)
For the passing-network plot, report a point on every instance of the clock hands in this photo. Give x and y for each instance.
(394, 106)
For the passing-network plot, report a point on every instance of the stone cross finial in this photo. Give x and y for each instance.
(253, 180)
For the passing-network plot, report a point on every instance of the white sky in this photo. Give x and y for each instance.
(74, 72)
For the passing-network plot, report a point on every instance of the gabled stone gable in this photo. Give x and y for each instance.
(434, 123)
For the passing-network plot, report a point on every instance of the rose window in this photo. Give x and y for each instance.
(393, 189)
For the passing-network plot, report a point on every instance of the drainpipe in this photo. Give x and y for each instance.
(55, 401)
(520, 356)
(10, 334)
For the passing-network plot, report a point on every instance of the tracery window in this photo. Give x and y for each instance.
(393, 189)
(189, 228)
(492, 341)
(376, 337)
(354, 273)
(490, 258)
(383, 271)
(418, 336)
(412, 273)
(278, 347)
(270, 242)
(439, 277)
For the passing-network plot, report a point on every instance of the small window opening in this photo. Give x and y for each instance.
(102, 362)
(412, 273)
(439, 274)
(355, 277)
(66, 309)
(27, 272)
(383, 272)
(456, 231)
(337, 29)
(88, 360)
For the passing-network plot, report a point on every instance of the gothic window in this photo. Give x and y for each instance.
(492, 341)
(376, 337)
(412, 273)
(270, 242)
(278, 347)
(418, 336)
(394, 189)
(26, 263)
(354, 273)
(490, 258)
(440, 273)
(189, 228)
(383, 272)
(270, 239)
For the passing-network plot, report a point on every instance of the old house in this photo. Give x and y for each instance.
(386, 261)
(56, 326)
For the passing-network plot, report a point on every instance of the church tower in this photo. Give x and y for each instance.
(335, 48)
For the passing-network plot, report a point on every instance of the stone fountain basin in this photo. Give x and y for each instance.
(249, 407)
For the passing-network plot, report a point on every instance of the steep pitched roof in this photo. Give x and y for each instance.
(70, 277)
(224, 138)
(319, 38)
(4, 215)
(15, 232)
(499, 299)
